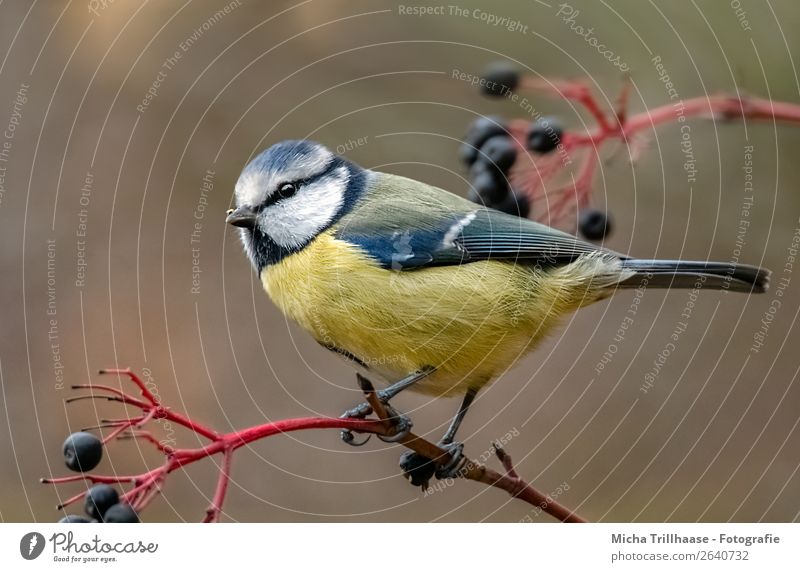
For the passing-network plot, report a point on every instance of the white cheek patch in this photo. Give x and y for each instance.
(293, 222)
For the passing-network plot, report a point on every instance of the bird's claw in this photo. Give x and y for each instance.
(401, 423)
(419, 469)
(451, 469)
(349, 438)
(360, 411)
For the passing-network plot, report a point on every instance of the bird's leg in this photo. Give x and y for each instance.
(450, 435)
(448, 441)
(420, 469)
(402, 422)
(385, 395)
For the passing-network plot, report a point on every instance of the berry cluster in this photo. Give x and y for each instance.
(509, 161)
(490, 152)
(83, 452)
(529, 155)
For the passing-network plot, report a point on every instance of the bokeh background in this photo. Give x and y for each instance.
(714, 439)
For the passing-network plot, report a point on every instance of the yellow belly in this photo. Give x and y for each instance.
(470, 322)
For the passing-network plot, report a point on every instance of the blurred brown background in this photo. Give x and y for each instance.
(715, 439)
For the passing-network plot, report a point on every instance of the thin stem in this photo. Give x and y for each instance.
(124, 397)
(184, 421)
(72, 500)
(108, 479)
(148, 436)
(146, 393)
(573, 90)
(92, 396)
(147, 496)
(505, 460)
(214, 510)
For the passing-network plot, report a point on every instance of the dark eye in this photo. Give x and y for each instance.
(286, 190)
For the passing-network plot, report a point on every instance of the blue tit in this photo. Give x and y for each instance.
(420, 285)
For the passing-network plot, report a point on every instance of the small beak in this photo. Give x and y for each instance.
(242, 217)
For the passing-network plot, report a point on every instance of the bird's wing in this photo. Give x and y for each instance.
(404, 224)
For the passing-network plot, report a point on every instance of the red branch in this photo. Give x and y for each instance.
(530, 176)
(146, 486)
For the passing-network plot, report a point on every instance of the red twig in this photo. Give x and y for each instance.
(615, 126)
(573, 90)
(517, 488)
(213, 511)
(146, 486)
(160, 412)
(148, 436)
(146, 393)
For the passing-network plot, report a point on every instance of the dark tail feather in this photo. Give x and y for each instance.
(684, 274)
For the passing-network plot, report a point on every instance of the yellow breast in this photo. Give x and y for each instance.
(471, 322)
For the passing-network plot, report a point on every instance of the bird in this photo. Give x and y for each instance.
(425, 289)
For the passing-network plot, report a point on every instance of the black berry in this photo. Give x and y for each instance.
(82, 451)
(99, 499)
(500, 78)
(544, 135)
(73, 519)
(489, 187)
(594, 224)
(417, 469)
(467, 153)
(514, 203)
(479, 131)
(121, 513)
(499, 152)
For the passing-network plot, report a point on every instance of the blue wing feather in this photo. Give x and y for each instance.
(405, 225)
(492, 235)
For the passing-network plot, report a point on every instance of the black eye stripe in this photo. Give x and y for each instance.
(283, 192)
(277, 195)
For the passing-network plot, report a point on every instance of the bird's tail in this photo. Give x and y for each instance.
(688, 274)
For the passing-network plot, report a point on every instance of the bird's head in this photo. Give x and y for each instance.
(288, 195)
